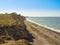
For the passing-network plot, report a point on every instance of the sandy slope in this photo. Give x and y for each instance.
(42, 35)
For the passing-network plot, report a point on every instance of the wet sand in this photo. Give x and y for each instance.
(43, 36)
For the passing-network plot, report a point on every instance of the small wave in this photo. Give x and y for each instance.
(56, 30)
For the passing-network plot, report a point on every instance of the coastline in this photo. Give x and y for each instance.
(43, 36)
(44, 26)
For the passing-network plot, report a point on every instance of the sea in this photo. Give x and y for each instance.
(51, 22)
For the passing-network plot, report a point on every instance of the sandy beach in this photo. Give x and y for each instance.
(43, 36)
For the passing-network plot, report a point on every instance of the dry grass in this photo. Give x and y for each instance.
(6, 19)
(12, 29)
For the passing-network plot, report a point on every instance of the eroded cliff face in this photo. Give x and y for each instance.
(12, 28)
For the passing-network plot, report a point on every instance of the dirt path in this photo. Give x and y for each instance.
(42, 35)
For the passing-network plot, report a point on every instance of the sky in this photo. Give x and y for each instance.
(31, 7)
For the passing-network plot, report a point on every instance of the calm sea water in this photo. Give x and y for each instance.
(53, 22)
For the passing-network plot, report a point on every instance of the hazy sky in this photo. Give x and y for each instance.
(31, 7)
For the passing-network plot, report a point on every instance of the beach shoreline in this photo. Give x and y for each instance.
(43, 36)
(44, 26)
